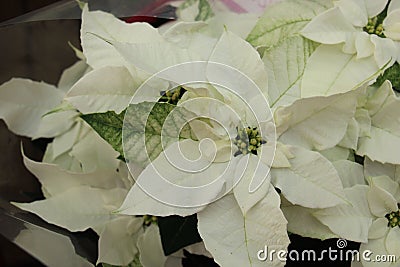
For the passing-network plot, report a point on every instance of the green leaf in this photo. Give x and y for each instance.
(285, 20)
(142, 129)
(393, 75)
(178, 232)
(109, 126)
(285, 64)
(146, 132)
(205, 11)
(189, 11)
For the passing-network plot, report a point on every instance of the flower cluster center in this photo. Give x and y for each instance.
(393, 218)
(248, 140)
(172, 96)
(374, 27)
(148, 220)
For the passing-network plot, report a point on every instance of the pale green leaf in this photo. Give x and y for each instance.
(234, 240)
(285, 20)
(285, 64)
(150, 127)
(205, 11)
(109, 126)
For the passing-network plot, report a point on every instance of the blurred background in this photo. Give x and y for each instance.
(39, 51)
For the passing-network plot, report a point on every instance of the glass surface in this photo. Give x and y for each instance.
(35, 46)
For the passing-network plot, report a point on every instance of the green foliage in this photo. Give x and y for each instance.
(393, 75)
(205, 11)
(141, 127)
(109, 126)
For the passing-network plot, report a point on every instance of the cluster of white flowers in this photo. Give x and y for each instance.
(313, 150)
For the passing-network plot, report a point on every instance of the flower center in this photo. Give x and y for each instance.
(393, 218)
(148, 220)
(374, 27)
(172, 96)
(248, 140)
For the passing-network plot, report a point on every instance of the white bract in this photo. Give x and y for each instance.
(383, 142)
(384, 234)
(354, 48)
(231, 153)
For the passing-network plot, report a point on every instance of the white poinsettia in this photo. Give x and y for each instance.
(112, 46)
(384, 234)
(79, 201)
(62, 254)
(345, 22)
(356, 45)
(214, 159)
(383, 141)
(36, 109)
(217, 14)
